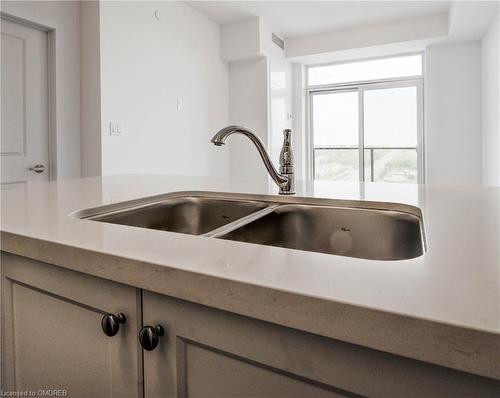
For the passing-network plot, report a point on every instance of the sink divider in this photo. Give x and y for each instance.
(240, 222)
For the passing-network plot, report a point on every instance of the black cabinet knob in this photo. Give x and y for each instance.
(110, 323)
(149, 336)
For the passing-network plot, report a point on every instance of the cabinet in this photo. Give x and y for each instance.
(52, 338)
(211, 353)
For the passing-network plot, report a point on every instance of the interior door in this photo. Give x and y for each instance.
(24, 134)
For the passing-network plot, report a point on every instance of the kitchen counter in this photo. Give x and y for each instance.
(442, 307)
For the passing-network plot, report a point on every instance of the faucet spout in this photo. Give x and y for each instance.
(285, 179)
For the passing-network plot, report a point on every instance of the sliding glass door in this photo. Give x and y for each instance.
(370, 132)
(336, 135)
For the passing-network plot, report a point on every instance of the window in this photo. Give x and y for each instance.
(369, 130)
(376, 69)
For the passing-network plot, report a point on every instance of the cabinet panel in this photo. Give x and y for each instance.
(52, 337)
(211, 353)
(211, 373)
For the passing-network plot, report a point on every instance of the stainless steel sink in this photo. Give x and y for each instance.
(188, 214)
(370, 230)
(353, 232)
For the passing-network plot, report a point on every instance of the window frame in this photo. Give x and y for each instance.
(360, 87)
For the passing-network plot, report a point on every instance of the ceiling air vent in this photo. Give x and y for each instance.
(278, 41)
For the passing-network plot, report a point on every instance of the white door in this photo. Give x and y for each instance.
(24, 143)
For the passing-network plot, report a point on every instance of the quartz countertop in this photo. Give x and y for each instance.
(442, 307)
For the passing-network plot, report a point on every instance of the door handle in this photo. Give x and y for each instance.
(37, 168)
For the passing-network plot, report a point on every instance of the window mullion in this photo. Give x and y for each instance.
(361, 131)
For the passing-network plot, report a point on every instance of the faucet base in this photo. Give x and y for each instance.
(289, 187)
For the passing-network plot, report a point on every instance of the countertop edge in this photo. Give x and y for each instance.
(452, 346)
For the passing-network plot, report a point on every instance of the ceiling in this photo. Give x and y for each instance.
(297, 18)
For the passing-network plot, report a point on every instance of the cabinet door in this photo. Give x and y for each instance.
(211, 353)
(52, 336)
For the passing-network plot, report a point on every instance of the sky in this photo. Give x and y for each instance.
(390, 118)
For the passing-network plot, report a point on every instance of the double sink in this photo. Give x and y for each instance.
(370, 230)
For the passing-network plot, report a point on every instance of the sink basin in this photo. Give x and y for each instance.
(370, 230)
(354, 232)
(194, 215)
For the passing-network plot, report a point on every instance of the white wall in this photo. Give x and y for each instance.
(490, 49)
(146, 66)
(280, 102)
(453, 114)
(66, 15)
(248, 91)
(240, 40)
(260, 95)
(280, 95)
(90, 89)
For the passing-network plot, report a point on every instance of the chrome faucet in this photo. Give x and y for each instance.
(285, 179)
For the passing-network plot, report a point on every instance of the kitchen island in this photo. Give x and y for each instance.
(440, 311)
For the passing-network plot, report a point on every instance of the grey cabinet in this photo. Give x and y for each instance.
(211, 353)
(52, 336)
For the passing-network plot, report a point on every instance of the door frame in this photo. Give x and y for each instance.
(55, 37)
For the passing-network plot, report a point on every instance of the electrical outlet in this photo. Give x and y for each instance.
(115, 128)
